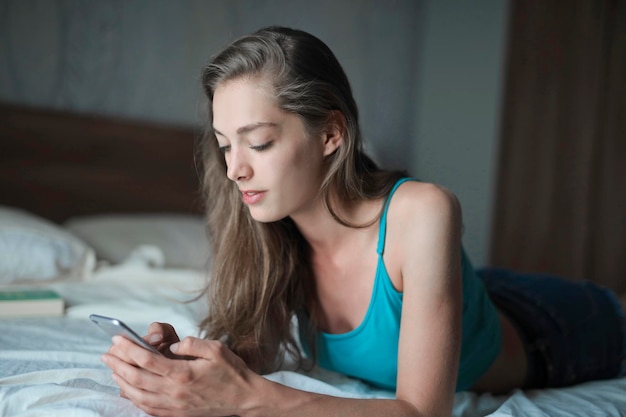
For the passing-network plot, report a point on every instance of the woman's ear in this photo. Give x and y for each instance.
(334, 133)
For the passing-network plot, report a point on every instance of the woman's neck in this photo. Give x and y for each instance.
(325, 234)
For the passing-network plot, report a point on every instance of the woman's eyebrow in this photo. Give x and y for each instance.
(248, 128)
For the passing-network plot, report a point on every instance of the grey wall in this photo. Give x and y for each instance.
(457, 119)
(142, 58)
(426, 73)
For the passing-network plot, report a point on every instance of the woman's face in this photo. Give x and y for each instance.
(277, 166)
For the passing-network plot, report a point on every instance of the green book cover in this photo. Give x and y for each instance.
(30, 302)
(24, 295)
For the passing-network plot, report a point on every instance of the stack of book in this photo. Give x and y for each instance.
(30, 303)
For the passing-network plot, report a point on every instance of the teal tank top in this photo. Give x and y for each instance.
(370, 351)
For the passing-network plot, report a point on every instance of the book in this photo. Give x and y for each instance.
(30, 303)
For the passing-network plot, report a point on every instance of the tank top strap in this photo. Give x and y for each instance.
(382, 228)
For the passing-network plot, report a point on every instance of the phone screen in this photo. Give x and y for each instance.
(115, 327)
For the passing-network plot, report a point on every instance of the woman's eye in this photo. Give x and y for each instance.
(260, 148)
(224, 149)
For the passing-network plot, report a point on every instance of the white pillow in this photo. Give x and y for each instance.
(181, 238)
(33, 249)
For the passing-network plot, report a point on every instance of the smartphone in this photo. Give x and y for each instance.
(115, 327)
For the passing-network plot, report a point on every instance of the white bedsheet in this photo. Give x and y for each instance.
(51, 366)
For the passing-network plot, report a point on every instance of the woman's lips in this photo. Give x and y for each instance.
(252, 197)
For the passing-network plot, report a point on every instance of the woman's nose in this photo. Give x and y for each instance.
(238, 166)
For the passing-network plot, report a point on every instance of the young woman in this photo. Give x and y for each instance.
(303, 223)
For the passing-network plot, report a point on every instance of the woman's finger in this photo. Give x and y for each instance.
(162, 336)
(135, 356)
(160, 333)
(150, 402)
(137, 377)
(198, 348)
(119, 352)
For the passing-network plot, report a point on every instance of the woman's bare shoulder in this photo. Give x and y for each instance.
(424, 231)
(415, 200)
(423, 220)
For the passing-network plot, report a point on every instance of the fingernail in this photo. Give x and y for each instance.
(155, 338)
(174, 347)
(104, 359)
(116, 340)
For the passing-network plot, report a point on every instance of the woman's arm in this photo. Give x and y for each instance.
(428, 227)
(218, 383)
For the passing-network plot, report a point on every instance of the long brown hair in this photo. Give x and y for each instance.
(260, 272)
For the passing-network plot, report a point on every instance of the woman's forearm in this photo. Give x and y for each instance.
(277, 400)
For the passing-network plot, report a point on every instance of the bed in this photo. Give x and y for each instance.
(115, 204)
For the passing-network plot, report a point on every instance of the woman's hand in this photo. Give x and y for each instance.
(216, 383)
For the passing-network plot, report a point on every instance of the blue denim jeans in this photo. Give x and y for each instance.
(573, 331)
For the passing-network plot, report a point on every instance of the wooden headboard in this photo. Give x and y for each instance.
(58, 164)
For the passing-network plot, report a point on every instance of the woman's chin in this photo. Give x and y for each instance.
(263, 216)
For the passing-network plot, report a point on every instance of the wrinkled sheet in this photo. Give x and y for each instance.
(51, 366)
